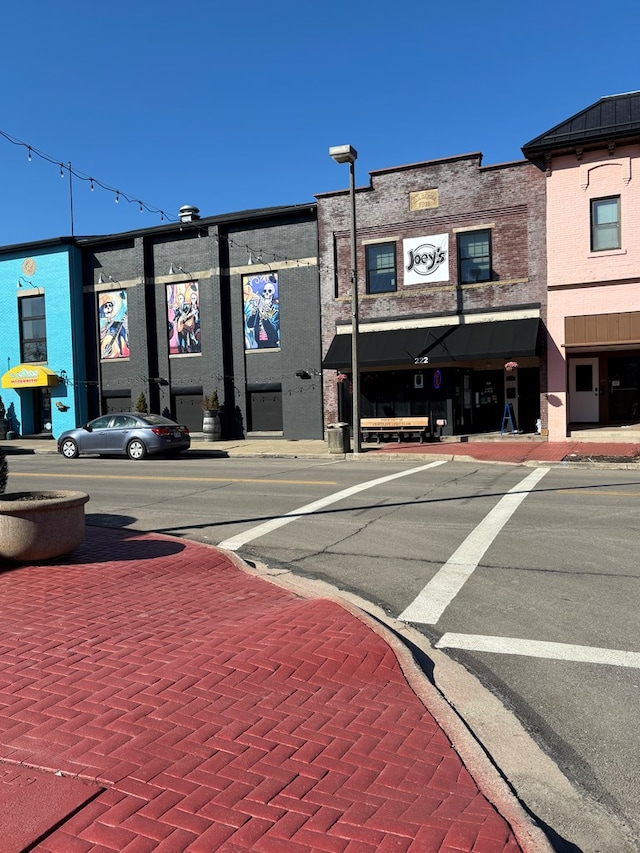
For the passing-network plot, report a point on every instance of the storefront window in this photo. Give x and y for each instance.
(624, 386)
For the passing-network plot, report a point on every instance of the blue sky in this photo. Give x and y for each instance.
(233, 105)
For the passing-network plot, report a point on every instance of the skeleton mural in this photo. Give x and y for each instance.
(261, 312)
(183, 315)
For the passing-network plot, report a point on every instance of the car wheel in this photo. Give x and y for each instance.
(136, 449)
(69, 448)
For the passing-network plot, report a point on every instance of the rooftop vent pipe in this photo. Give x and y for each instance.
(189, 213)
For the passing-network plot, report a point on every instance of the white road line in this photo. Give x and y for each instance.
(436, 596)
(241, 539)
(539, 649)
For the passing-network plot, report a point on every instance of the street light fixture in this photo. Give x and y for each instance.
(348, 154)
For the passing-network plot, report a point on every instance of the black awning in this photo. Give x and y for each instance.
(440, 344)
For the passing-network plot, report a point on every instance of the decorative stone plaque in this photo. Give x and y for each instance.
(423, 200)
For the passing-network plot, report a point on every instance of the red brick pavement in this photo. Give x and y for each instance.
(220, 712)
(518, 452)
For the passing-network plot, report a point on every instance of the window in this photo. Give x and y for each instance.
(474, 256)
(584, 377)
(101, 423)
(381, 268)
(124, 422)
(33, 331)
(605, 223)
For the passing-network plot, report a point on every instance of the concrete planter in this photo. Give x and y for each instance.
(41, 525)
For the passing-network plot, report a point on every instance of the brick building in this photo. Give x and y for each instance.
(593, 223)
(451, 271)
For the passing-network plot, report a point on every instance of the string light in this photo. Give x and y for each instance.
(221, 379)
(93, 182)
(256, 254)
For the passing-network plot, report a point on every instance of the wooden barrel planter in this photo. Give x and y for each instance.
(41, 525)
(211, 427)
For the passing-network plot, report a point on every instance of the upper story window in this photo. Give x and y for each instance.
(605, 223)
(474, 256)
(381, 268)
(33, 333)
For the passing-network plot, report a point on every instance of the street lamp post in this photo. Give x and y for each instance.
(348, 154)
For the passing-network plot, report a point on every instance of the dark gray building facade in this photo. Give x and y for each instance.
(227, 304)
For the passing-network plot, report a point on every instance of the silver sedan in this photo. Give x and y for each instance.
(125, 433)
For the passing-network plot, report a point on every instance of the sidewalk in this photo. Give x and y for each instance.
(609, 448)
(157, 696)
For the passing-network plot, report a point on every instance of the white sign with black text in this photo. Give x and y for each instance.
(426, 259)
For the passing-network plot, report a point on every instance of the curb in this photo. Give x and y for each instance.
(50, 448)
(484, 772)
(516, 775)
(487, 776)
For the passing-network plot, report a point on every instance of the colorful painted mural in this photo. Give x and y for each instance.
(183, 316)
(114, 324)
(261, 312)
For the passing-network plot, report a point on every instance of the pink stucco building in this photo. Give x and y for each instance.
(592, 165)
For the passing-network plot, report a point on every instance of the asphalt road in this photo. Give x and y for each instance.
(536, 575)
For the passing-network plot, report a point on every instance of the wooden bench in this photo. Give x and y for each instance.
(398, 428)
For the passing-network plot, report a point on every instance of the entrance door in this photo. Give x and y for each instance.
(583, 390)
(41, 408)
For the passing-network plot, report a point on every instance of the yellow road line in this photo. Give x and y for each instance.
(602, 491)
(176, 479)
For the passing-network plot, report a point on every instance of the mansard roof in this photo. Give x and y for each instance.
(612, 119)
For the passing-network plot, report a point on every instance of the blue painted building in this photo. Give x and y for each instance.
(42, 362)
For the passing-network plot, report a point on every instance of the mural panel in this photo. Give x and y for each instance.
(114, 324)
(183, 317)
(261, 312)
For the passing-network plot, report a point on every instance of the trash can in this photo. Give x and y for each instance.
(338, 438)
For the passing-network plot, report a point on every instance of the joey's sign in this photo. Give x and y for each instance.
(426, 259)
